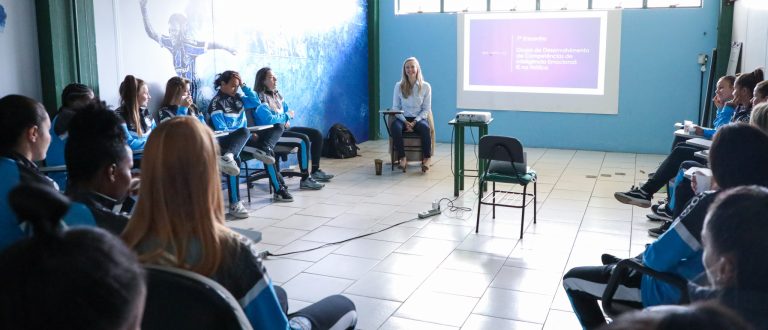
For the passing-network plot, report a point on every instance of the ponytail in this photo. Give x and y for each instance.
(129, 94)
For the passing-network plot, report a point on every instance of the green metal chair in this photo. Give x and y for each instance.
(504, 162)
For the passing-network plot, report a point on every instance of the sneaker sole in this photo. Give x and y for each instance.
(644, 203)
(239, 215)
(656, 217)
(311, 188)
(231, 172)
(280, 200)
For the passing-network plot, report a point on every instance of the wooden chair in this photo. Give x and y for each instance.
(411, 140)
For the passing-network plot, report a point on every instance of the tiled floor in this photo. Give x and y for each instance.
(437, 273)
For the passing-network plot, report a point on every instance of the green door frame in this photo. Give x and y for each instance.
(373, 69)
(66, 37)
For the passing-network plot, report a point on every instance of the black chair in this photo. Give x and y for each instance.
(180, 299)
(504, 162)
(411, 140)
(621, 271)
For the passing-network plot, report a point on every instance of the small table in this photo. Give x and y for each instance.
(458, 151)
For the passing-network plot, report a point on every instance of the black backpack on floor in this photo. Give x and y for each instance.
(340, 143)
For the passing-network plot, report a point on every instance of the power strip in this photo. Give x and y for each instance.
(427, 214)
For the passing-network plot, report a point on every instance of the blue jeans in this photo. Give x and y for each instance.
(421, 128)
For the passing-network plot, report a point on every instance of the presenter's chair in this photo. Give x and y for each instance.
(411, 140)
(180, 299)
(505, 162)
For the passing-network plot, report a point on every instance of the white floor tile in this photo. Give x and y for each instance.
(435, 307)
(372, 312)
(311, 287)
(527, 280)
(367, 248)
(385, 286)
(342, 266)
(482, 322)
(515, 305)
(399, 323)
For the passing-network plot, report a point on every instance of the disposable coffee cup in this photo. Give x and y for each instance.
(378, 163)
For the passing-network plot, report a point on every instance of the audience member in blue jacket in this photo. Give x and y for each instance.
(733, 237)
(73, 97)
(134, 97)
(24, 139)
(308, 140)
(99, 165)
(739, 156)
(723, 95)
(193, 236)
(227, 111)
(742, 95)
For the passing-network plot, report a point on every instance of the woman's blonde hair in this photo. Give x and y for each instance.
(181, 211)
(759, 116)
(174, 90)
(406, 87)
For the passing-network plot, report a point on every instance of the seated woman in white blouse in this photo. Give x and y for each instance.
(413, 96)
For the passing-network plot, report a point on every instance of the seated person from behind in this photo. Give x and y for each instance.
(138, 122)
(739, 156)
(81, 278)
(73, 97)
(24, 139)
(99, 164)
(274, 111)
(734, 238)
(192, 234)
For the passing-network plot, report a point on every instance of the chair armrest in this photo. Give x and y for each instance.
(53, 169)
(391, 112)
(622, 269)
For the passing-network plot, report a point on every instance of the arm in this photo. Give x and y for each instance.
(426, 103)
(397, 102)
(250, 99)
(148, 27)
(682, 240)
(217, 115)
(263, 115)
(216, 45)
(136, 143)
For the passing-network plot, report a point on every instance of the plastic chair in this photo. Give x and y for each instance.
(180, 299)
(411, 140)
(623, 267)
(504, 162)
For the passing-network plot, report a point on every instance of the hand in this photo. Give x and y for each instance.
(698, 130)
(187, 101)
(133, 187)
(290, 114)
(718, 101)
(693, 182)
(237, 76)
(287, 124)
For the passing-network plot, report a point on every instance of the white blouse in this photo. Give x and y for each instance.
(418, 105)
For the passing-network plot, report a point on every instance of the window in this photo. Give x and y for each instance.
(616, 4)
(417, 6)
(513, 5)
(673, 3)
(563, 4)
(465, 5)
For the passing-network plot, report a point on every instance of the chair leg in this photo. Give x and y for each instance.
(535, 206)
(247, 184)
(493, 206)
(479, 202)
(522, 217)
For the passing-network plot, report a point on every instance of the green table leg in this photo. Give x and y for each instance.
(456, 165)
(482, 131)
(461, 156)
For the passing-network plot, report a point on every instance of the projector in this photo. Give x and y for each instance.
(473, 116)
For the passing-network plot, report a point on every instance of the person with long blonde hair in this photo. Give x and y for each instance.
(413, 96)
(179, 221)
(134, 98)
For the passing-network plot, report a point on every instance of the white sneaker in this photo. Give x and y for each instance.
(228, 165)
(238, 210)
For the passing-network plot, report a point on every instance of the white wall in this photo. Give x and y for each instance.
(19, 55)
(107, 51)
(750, 27)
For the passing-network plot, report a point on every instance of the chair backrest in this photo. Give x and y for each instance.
(9, 224)
(180, 299)
(501, 148)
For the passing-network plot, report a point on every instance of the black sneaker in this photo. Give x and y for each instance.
(656, 232)
(660, 212)
(609, 259)
(283, 196)
(635, 196)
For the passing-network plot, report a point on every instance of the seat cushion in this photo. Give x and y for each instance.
(503, 171)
